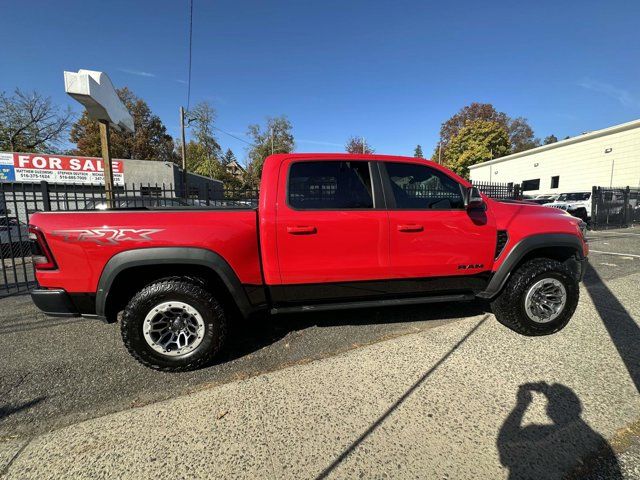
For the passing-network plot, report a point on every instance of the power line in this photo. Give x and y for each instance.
(190, 44)
(234, 136)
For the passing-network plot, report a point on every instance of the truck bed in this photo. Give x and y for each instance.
(82, 242)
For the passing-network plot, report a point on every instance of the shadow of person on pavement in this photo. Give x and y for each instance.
(550, 450)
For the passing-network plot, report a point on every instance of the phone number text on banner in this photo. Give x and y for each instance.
(30, 167)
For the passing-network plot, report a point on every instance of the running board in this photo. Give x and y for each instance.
(373, 303)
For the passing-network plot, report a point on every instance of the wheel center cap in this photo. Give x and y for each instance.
(177, 324)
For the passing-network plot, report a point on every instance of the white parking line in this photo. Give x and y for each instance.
(616, 254)
(614, 233)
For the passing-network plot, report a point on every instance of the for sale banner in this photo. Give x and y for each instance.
(35, 167)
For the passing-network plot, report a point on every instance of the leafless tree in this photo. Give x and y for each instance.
(30, 122)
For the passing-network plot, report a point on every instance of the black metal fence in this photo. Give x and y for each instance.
(500, 191)
(614, 207)
(19, 200)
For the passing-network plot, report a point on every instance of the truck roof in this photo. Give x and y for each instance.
(278, 157)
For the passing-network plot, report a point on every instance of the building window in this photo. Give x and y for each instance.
(555, 181)
(531, 185)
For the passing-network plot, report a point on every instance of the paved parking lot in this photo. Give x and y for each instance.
(59, 372)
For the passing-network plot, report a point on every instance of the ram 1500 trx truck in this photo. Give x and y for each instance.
(331, 231)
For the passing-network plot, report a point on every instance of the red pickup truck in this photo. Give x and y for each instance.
(331, 231)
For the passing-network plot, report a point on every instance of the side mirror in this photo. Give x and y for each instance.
(473, 199)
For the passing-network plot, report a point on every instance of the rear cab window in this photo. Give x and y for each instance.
(330, 185)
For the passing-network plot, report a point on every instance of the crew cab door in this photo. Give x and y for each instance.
(332, 231)
(434, 240)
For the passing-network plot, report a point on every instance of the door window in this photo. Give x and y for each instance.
(327, 185)
(420, 187)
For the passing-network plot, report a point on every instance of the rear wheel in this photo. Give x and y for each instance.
(539, 298)
(174, 325)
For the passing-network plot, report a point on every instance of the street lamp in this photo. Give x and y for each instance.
(95, 91)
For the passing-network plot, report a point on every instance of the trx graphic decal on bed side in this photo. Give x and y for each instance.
(107, 236)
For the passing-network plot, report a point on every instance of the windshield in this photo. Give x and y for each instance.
(573, 197)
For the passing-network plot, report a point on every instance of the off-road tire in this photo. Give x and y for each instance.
(509, 305)
(581, 213)
(182, 289)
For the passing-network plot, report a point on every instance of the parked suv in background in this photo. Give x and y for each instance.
(577, 204)
(545, 198)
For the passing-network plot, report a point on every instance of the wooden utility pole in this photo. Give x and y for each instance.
(272, 141)
(106, 160)
(184, 155)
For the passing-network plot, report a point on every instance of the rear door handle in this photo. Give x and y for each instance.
(410, 228)
(302, 230)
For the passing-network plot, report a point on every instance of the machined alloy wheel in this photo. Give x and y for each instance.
(539, 297)
(173, 328)
(174, 324)
(545, 300)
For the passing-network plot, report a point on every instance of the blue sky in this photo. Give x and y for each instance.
(389, 71)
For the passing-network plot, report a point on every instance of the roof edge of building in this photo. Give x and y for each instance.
(577, 139)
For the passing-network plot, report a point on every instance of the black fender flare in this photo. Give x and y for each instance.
(522, 248)
(170, 255)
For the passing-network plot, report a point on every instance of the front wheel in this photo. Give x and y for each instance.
(174, 325)
(539, 298)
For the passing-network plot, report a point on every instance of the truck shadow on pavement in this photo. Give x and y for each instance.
(552, 450)
(6, 410)
(622, 328)
(248, 336)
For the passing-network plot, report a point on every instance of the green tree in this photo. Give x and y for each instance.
(203, 150)
(469, 113)
(358, 145)
(228, 157)
(478, 141)
(275, 137)
(204, 154)
(550, 139)
(200, 120)
(418, 152)
(30, 122)
(149, 142)
(521, 135)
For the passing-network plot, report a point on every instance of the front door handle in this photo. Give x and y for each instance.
(410, 228)
(302, 230)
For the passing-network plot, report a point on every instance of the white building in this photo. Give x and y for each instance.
(606, 158)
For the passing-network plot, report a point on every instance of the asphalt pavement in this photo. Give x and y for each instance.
(58, 373)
